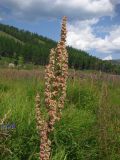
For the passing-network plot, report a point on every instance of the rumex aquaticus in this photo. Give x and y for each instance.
(56, 73)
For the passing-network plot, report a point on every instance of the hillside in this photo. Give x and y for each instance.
(116, 61)
(15, 43)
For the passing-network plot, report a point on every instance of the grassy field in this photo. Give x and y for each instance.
(90, 124)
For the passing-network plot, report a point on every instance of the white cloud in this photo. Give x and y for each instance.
(74, 9)
(82, 15)
(108, 58)
(81, 35)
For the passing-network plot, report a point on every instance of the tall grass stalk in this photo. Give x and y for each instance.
(104, 122)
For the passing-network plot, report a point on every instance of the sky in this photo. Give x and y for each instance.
(93, 25)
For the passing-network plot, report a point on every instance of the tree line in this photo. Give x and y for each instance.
(15, 43)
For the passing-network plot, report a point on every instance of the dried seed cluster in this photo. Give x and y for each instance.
(56, 74)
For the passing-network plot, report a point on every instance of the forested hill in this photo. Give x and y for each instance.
(15, 43)
(116, 61)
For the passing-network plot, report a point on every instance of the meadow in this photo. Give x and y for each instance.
(90, 124)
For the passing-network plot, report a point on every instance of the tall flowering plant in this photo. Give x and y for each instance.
(56, 74)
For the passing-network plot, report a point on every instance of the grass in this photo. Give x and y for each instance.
(80, 133)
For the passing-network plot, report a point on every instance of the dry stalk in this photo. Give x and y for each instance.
(4, 134)
(5, 117)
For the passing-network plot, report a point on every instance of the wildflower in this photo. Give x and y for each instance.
(56, 73)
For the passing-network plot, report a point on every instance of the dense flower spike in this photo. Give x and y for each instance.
(42, 127)
(38, 113)
(56, 74)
